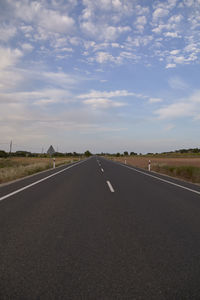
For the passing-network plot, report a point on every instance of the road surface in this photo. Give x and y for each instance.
(99, 230)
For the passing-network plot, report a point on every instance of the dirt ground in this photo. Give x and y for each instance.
(142, 162)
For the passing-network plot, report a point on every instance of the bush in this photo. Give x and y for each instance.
(3, 153)
(87, 153)
(190, 173)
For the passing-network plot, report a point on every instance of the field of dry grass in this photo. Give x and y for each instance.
(17, 167)
(184, 167)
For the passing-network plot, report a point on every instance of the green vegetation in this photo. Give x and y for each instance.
(189, 173)
(87, 153)
(17, 167)
(3, 153)
(15, 170)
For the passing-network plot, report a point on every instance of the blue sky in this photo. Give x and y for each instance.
(104, 75)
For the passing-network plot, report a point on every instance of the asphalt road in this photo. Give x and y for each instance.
(99, 230)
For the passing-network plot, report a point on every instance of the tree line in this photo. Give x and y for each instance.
(88, 153)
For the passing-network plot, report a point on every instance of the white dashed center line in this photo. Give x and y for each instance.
(110, 186)
(102, 170)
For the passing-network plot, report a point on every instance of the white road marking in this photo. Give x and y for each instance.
(164, 180)
(110, 186)
(38, 181)
(102, 170)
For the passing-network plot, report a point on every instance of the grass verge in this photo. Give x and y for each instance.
(188, 173)
(187, 168)
(11, 169)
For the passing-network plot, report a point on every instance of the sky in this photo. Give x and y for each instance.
(104, 75)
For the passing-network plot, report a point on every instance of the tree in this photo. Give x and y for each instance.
(3, 153)
(133, 153)
(22, 153)
(87, 153)
(125, 153)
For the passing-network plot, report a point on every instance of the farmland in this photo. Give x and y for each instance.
(184, 167)
(17, 167)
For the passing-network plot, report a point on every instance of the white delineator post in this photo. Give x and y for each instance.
(125, 161)
(149, 166)
(54, 163)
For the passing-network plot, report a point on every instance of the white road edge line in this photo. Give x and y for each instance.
(172, 183)
(38, 181)
(110, 186)
(102, 169)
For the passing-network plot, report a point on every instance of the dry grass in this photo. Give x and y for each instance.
(18, 167)
(183, 168)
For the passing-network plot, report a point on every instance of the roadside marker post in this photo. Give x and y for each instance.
(149, 166)
(54, 163)
(125, 161)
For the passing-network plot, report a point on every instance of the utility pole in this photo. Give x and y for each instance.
(10, 147)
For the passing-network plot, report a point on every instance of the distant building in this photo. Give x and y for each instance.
(51, 150)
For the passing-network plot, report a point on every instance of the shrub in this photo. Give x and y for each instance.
(190, 173)
(3, 153)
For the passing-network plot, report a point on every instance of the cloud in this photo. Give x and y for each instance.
(60, 79)
(100, 19)
(177, 83)
(188, 107)
(140, 23)
(169, 66)
(175, 52)
(169, 127)
(188, 3)
(39, 97)
(159, 13)
(7, 33)
(180, 109)
(103, 32)
(55, 22)
(172, 34)
(10, 80)
(27, 47)
(179, 59)
(141, 10)
(161, 27)
(103, 103)
(46, 20)
(139, 41)
(66, 27)
(155, 100)
(102, 99)
(175, 19)
(119, 7)
(103, 57)
(191, 48)
(171, 3)
(112, 94)
(9, 57)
